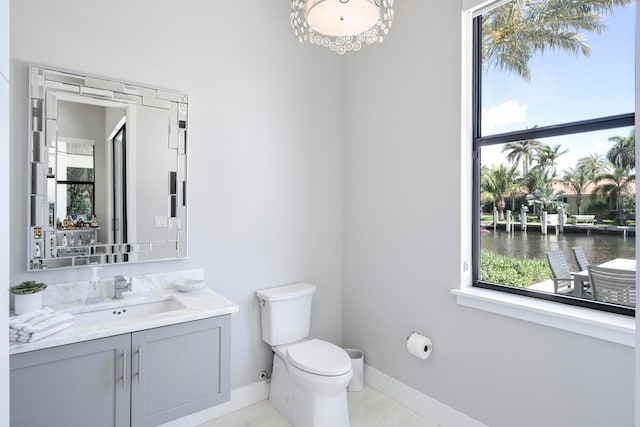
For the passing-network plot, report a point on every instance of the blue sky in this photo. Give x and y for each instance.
(566, 87)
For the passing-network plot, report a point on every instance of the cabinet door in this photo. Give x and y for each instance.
(81, 384)
(179, 369)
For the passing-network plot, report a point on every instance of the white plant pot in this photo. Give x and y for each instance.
(25, 303)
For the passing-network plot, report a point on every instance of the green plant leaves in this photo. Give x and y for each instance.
(28, 287)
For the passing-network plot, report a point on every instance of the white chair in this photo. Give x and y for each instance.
(613, 286)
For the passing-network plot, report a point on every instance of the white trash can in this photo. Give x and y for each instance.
(357, 365)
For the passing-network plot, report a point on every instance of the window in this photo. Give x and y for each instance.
(554, 150)
(76, 179)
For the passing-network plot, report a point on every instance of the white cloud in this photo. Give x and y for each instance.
(508, 112)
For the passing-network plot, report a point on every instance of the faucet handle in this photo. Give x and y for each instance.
(120, 285)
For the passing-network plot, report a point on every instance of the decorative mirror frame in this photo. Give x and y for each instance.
(45, 249)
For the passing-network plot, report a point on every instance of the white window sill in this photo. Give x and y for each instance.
(593, 323)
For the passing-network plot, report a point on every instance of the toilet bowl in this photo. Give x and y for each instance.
(310, 376)
(309, 383)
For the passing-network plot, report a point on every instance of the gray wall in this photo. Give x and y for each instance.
(81, 121)
(265, 142)
(4, 213)
(402, 250)
(147, 174)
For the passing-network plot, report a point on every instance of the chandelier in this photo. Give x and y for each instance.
(341, 25)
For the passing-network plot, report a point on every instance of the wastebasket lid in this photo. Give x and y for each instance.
(319, 357)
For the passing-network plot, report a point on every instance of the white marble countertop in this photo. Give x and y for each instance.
(198, 304)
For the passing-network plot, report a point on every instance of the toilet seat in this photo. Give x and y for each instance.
(319, 358)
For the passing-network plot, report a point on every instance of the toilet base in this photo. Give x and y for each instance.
(304, 407)
(320, 411)
(281, 389)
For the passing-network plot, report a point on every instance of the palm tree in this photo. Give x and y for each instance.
(547, 157)
(524, 152)
(546, 197)
(616, 185)
(577, 180)
(514, 32)
(538, 178)
(594, 165)
(623, 153)
(497, 184)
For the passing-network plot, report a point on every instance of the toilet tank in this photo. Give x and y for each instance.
(285, 312)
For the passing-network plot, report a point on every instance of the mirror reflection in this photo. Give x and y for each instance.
(75, 181)
(107, 171)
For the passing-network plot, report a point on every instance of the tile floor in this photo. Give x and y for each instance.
(367, 408)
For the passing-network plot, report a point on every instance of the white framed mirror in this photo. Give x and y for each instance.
(107, 171)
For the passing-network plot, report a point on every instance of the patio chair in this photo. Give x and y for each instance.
(562, 277)
(613, 286)
(583, 264)
(581, 259)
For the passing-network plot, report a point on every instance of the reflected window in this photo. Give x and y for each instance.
(554, 150)
(76, 179)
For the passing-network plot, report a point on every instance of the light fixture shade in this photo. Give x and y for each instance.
(341, 25)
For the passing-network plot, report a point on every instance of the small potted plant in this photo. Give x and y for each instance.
(27, 296)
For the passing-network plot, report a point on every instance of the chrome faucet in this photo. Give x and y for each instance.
(120, 285)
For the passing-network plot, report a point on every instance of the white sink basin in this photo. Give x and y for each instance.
(127, 311)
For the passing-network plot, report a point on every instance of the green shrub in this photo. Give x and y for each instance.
(518, 272)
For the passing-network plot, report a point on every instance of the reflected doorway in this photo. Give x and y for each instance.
(119, 156)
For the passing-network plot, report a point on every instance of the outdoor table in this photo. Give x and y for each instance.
(624, 264)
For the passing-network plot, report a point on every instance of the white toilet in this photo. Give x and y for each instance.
(310, 376)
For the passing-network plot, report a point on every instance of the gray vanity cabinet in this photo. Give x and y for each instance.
(72, 385)
(179, 369)
(170, 372)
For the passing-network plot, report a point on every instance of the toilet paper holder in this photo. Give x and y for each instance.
(426, 347)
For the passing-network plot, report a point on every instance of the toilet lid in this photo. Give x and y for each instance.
(319, 357)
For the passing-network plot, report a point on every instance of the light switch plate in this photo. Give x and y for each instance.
(161, 221)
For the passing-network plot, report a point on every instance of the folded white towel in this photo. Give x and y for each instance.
(28, 318)
(24, 337)
(47, 322)
(39, 335)
(36, 320)
(37, 325)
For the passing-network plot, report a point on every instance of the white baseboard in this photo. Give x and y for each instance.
(420, 403)
(240, 397)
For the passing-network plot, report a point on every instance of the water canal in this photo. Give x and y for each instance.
(598, 247)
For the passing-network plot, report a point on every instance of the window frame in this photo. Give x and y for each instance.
(479, 141)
